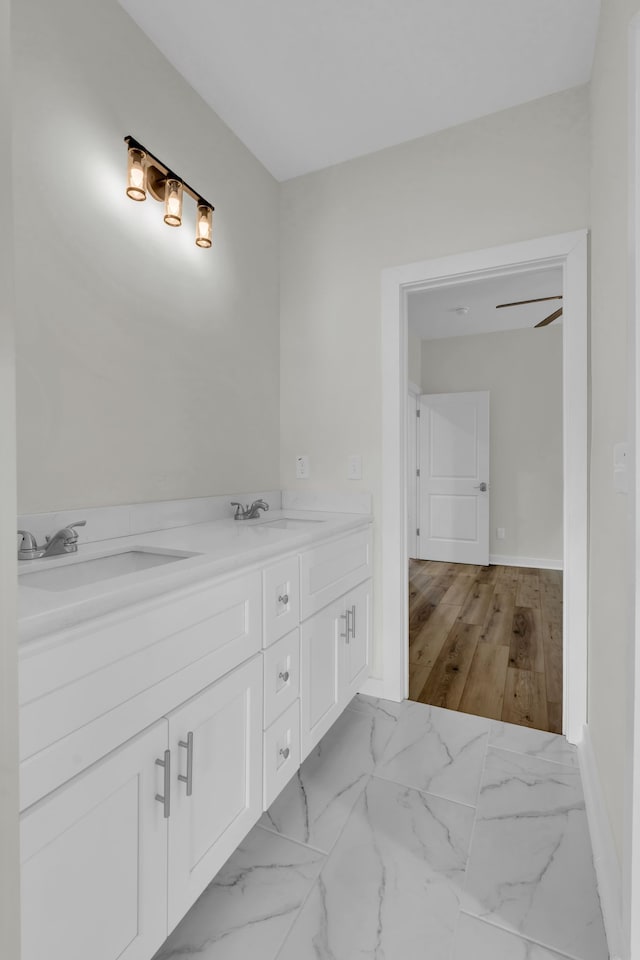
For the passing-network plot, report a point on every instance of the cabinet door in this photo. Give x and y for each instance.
(94, 860)
(355, 648)
(213, 813)
(319, 685)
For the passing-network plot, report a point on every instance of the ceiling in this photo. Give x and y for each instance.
(433, 313)
(309, 83)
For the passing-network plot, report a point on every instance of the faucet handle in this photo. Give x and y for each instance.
(78, 523)
(28, 541)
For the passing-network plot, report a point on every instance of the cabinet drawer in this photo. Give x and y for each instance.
(281, 676)
(281, 752)
(281, 599)
(330, 570)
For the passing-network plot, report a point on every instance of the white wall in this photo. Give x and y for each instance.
(147, 368)
(514, 175)
(522, 369)
(9, 879)
(610, 628)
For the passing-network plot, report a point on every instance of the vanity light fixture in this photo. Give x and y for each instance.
(147, 174)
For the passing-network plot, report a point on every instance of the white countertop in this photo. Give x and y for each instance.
(219, 547)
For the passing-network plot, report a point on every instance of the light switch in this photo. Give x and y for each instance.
(303, 468)
(354, 467)
(621, 468)
(500, 533)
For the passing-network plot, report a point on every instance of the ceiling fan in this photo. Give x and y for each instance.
(543, 323)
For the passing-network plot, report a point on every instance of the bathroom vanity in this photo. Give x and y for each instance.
(163, 709)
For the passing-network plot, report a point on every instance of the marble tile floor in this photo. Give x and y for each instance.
(411, 833)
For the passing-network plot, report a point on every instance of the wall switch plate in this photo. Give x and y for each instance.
(621, 468)
(500, 533)
(354, 467)
(303, 468)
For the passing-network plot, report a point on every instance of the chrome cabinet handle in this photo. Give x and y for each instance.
(284, 676)
(284, 752)
(284, 599)
(482, 487)
(165, 799)
(353, 621)
(188, 779)
(345, 617)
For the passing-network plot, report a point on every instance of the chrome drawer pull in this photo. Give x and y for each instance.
(165, 799)
(284, 676)
(188, 745)
(353, 621)
(285, 752)
(345, 616)
(284, 599)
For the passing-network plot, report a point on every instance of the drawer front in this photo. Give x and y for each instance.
(281, 599)
(281, 752)
(281, 676)
(330, 570)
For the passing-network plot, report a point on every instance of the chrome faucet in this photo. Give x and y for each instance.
(249, 512)
(64, 541)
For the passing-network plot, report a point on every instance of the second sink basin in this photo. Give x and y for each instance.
(289, 523)
(81, 573)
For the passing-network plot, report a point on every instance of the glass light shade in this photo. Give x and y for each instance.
(136, 175)
(203, 225)
(173, 203)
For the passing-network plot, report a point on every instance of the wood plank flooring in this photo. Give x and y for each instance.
(487, 641)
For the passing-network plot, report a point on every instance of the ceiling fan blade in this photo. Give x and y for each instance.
(519, 303)
(552, 316)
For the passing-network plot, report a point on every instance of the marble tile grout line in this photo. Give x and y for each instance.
(424, 793)
(301, 843)
(521, 936)
(531, 756)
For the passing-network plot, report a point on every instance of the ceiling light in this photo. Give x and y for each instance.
(145, 173)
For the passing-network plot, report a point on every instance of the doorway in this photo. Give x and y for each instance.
(568, 252)
(485, 609)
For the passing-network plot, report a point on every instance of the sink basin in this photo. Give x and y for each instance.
(289, 523)
(70, 576)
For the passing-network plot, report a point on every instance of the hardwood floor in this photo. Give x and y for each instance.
(487, 641)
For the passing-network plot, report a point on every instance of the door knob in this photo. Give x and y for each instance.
(481, 486)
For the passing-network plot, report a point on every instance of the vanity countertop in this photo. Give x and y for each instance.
(219, 548)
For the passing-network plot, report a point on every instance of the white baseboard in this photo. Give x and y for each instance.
(604, 852)
(541, 563)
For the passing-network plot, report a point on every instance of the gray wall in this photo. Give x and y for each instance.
(147, 368)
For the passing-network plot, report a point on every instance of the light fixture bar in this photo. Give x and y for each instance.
(166, 172)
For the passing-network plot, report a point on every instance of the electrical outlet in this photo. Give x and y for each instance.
(500, 533)
(303, 468)
(354, 467)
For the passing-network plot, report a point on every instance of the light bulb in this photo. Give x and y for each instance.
(136, 174)
(173, 203)
(203, 225)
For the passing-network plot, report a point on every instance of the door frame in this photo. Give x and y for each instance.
(570, 252)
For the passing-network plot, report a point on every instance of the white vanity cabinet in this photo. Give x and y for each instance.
(94, 860)
(216, 791)
(336, 640)
(99, 854)
(152, 739)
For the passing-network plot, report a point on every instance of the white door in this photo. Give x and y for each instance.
(454, 477)
(94, 860)
(216, 753)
